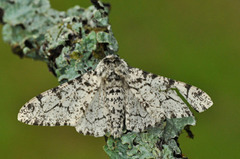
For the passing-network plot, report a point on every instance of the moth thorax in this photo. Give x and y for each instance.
(114, 79)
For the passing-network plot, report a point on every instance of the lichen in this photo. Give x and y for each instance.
(26, 23)
(77, 45)
(158, 142)
(70, 42)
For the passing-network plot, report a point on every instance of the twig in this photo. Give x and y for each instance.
(72, 43)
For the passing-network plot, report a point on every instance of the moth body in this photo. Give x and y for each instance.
(112, 98)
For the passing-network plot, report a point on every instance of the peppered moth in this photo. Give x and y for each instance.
(114, 97)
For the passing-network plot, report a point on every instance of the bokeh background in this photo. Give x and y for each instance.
(192, 41)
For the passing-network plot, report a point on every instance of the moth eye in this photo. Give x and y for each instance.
(106, 61)
(117, 62)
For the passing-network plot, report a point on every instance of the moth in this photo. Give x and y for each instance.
(112, 98)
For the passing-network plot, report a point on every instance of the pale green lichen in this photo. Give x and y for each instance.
(158, 142)
(78, 45)
(70, 47)
(26, 23)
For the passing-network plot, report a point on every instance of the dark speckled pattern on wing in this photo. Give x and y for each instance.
(63, 105)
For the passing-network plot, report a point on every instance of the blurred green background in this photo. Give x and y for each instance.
(192, 41)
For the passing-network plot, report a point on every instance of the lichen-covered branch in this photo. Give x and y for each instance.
(72, 43)
(159, 142)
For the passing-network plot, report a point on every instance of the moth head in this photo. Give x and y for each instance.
(110, 65)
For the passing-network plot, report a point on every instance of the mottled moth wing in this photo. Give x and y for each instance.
(144, 110)
(95, 120)
(63, 105)
(156, 98)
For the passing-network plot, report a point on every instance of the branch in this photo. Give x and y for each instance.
(72, 43)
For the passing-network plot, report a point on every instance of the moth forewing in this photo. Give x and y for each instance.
(197, 98)
(63, 105)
